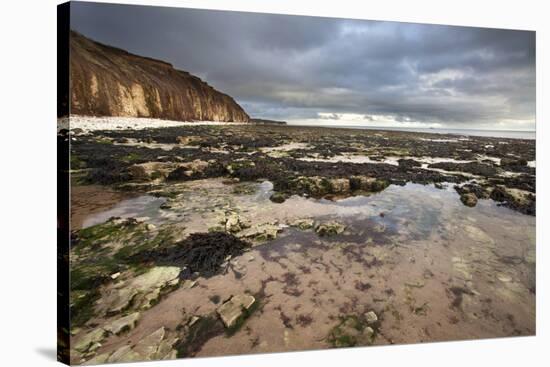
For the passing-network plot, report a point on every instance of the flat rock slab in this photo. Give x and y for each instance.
(303, 224)
(123, 324)
(140, 291)
(157, 345)
(330, 228)
(93, 337)
(233, 309)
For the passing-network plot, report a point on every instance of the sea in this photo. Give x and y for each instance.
(509, 134)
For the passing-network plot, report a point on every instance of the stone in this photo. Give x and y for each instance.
(193, 320)
(148, 346)
(371, 318)
(303, 224)
(330, 228)
(99, 359)
(188, 284)
(238, 165)
(140, 292)
(518, 199)
(351, 332)
(261, 232)
(124, 354)
(415, 284)
(234, 308)
(150, 170)
(189, 169)
(93, 347)
(369, 334)
(468, 199)
(505, 278)
(235, 223)
(165, 349)
(186, 140)
(123, 324)
(339, 185)
(232, 223)
(365, 183)
(278, 197)
(313, 186)
(85, 342)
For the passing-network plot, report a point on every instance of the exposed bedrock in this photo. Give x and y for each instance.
(107, 81)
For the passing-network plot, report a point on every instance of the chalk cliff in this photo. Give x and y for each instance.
(107, 81)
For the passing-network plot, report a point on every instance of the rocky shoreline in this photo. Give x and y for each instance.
(265, 238)
(325, 162)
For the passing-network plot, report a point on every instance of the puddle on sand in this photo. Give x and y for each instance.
(142, 206)
(431, 268)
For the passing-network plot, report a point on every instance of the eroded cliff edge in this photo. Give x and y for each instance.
(107, 81)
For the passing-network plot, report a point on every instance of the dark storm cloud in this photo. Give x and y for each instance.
(299, 68)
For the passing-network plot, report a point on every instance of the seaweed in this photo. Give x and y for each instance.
(202, 253)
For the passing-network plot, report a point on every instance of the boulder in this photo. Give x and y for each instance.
(339, 185)
(187, 170)
(369, 184)
(468, 199)
(150, 170)
(521, 200)
(235, 223)
(278, 197)
(313, 186)
(235, 308)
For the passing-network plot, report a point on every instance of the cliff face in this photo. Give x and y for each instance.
(106, 81)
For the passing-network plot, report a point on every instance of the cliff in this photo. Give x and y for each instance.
(107, 81)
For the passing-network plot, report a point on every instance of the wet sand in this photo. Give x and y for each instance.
(431, 268)
(92, 199)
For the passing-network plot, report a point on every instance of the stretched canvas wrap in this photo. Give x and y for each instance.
(233, 183)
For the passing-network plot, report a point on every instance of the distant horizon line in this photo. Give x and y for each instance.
(408, 127)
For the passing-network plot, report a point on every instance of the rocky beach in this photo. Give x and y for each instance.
(234, 183)
(222, 239)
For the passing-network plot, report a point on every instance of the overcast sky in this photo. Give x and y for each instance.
(335, 71)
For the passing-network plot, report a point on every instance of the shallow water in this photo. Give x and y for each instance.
(141, 206)
(431, 268)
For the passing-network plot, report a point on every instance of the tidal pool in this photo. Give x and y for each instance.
(142, 206)
(431, 268)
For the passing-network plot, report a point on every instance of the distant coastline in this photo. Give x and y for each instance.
(509, 134)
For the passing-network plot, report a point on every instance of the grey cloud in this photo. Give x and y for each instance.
(290, 67)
